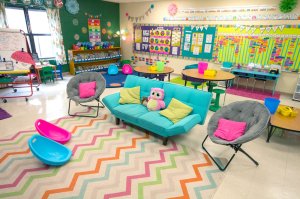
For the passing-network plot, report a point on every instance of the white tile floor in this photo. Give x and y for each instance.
(277, 176)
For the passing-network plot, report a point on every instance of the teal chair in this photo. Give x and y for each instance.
(59, 68)
(195, 84)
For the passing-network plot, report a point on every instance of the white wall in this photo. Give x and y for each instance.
(287, 81)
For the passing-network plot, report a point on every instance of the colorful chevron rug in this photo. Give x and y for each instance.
(108, 161)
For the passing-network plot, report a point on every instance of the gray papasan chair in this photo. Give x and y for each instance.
(255, 114)
(73, 90)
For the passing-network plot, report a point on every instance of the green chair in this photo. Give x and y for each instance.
(210, 86)
(59, 68)
(125, 61)
(195, 84)
(47, 74)
(216, 106)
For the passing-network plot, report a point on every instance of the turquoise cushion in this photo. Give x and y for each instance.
(184, 125)
(130, 112)
(155, 122)
(145, 84)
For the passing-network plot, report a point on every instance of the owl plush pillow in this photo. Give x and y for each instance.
(156, 99)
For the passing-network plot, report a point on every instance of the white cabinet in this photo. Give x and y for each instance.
(296, 95)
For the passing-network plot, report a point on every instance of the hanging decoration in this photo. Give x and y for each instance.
(13, 1)
(108, 24)
(75, 22)
(72, 6)
(228, 9)
(58, 3)
(139, 18)
(48, 3)
(37, 2)
(26, 2)
(95, 16)
(76, 37)
(172, 9)
(287, 6)
(248, 17)
(84, 30)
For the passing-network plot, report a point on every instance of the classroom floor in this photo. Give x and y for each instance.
(276, 177)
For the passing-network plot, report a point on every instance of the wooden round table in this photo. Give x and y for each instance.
(286, 123)
(158, 74)
(194, 76)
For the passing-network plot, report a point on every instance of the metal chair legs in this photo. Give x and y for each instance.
(82, 115)
(236, 148)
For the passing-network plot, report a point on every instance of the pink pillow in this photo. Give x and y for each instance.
(230, 130)
(87, 89)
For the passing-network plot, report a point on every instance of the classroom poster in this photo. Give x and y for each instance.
(198, 41)
(94, 30)
(264, 45)
(164, 40)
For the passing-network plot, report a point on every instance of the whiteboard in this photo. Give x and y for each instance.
(12, 40)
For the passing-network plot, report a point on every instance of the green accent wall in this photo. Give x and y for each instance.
(109, 12)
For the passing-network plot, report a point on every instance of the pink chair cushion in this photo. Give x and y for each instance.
(87, 89)
(230, 130)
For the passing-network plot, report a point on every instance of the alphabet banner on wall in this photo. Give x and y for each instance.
(157, 39)
(198, 41)
(264, 45)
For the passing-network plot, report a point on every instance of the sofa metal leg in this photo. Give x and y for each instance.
(165, 141)
(117, 121)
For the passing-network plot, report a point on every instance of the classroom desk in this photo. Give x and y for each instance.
(255, 74)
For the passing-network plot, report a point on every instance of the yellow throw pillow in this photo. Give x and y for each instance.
(130, 95)
(176, 110)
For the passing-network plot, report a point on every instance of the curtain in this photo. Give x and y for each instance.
(3, 20)
(57, 39)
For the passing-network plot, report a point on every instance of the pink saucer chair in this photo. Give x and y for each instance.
(127, 69)
(52, 131)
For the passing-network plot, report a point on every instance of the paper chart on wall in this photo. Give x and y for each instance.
(198, 42)
(94, 30)
(158, 39)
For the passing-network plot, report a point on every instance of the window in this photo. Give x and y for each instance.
(35, 24)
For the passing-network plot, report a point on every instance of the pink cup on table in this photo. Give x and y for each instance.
(202, 66)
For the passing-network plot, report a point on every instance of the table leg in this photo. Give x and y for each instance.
(271, 131)
(169, 77)
(274, 86)
(185, 82)
(226, 86)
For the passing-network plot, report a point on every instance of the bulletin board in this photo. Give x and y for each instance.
(264, 45)
(198, 42)
(164, 40)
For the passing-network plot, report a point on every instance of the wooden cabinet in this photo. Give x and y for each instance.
(93, 60)
(296, 95)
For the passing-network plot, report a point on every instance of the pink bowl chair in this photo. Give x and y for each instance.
(127, 69)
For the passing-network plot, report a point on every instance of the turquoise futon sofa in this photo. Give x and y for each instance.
(138, 114)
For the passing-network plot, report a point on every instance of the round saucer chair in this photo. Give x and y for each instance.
(255, 114)
(73, 91)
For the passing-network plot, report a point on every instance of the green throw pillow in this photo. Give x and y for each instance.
(176, 110)
(130, 95)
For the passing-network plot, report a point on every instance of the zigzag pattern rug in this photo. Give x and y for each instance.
(108, 161)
